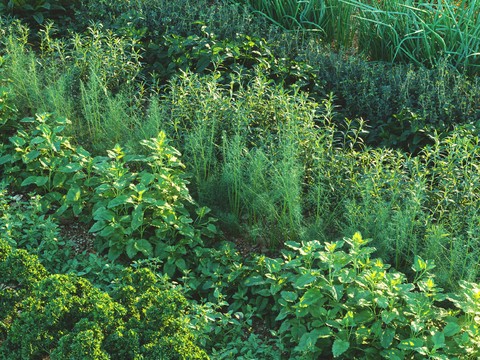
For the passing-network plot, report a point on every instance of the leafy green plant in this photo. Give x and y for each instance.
(346, 304)
(7, 110)
(73, 318)
(38, 10)
(146, 212)
(46, 159)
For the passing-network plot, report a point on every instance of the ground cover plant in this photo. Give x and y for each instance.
(119, 130)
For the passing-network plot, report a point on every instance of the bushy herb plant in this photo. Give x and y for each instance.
(64, 315)
(345, 304)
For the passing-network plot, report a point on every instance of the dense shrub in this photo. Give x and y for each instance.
(64, 315)
(327, 301)
(35, 12)
(153, 19)
(401, 104)
(20, 271)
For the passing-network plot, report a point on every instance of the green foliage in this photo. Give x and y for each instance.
(63, 315)
(420, 32)
(409, 31)
(279, 167)
(19, 273)
(69, 178)
(45, 159)
(98, 61)
(402, 105)
(151, 19)
(145, 212)
(198, 53)
(332, 302)
(253, 159)
(24, 225)
(38, 10)
(7, 110)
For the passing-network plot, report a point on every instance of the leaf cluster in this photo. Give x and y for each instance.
(140, 204)
(330, 301)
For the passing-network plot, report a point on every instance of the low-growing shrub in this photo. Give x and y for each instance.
(146, 212)
(19, 272)
(36, 11)
(326, 301)
(64, 315)
(402, 104)
(43, 158)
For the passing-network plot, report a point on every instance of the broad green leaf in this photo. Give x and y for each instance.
(119, 200)
(146, 178)
(61, 209)
(137, 217)
(187, 230)
(77, 208)
(317, 311)
(311, 296)
(417, 325)
(254, 281)
(337, 291)
(284, 327)
(387, 337)
(5, 158)
(185, 220)
(180, 263)
(438, 340)
(323, 332)
(273, 265)
(307, 342)
(169, 268)
(289, 296)
(54, 196)
(144, 247)
(388, 316)
(283, 314)
(58, 129)
(114, 252)
(363, 316)
(202, 63)
(32, 155)
(275, 288)
(293, 245)
(212, 228)
(419, 264)
(131, 249)
(70, 168)
(37, 180)
(339, 347)
(451, 329)
(393, 354)
(38, 17)
(382, 302)
(74, 194)
(17, 141)
(59, 179)
(107, 231)
(99, 225)
(103, 214)
(264, 292)
(304, 280)
(37, 140)
(410, 344)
